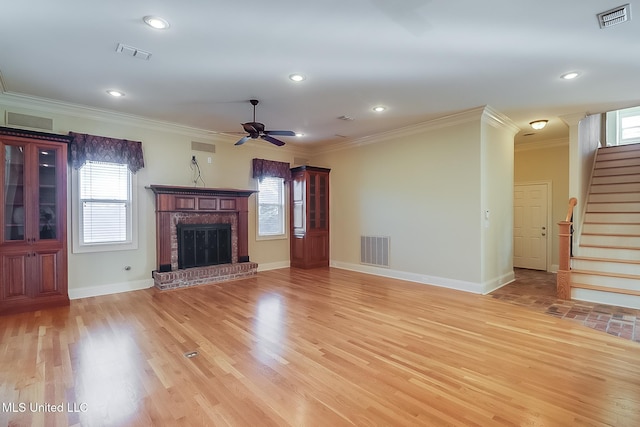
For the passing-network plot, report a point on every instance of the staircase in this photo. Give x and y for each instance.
(608, 258)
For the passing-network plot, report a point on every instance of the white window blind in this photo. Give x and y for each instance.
(105, 203)
(271, 207)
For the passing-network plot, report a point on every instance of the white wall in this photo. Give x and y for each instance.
(167, 155)
(582, 156)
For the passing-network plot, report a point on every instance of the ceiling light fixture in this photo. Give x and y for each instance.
(539, 124)
(297, 77)
(115, 93)
(156, 22)
(298, 134)
(570, 76)
(379, 109)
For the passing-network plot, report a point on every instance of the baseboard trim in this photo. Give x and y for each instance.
(113, 288)
(273, 265)
(459, 285)
(498, 282)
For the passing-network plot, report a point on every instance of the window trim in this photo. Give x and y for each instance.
(285, 204)
(614, 126)
(76, 221)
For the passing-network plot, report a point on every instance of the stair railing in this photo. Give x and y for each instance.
(563, 278)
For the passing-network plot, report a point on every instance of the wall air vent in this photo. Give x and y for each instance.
(27, 121)
(203, 146)
(374, 250)
(614, 16)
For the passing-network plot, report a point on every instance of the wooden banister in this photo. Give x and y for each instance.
(572, 204)
(565, 234)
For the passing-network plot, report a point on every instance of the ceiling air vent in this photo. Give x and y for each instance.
(615, 16)
(133, 51)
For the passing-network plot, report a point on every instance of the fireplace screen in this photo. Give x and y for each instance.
(203, 244)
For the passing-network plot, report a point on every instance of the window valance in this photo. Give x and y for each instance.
(263, 168)
(85, 147)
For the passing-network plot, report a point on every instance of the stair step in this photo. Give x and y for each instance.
(604, 265)
(615, 179)
(608, 228)
(622, 170)
(615, 188)
(618, 148)
(632, 161)
(610, 240)
(614, 197)
(621, 281)
(611, 252)
(617, 155)
(612, 217)
(594, 207)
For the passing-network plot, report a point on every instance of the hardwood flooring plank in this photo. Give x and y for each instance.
(312, 347)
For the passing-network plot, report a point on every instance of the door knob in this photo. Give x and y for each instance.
(544, 234)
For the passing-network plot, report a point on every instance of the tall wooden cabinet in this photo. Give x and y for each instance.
(309, 217)
(33, 239)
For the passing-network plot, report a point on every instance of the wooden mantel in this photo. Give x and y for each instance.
(171, 199)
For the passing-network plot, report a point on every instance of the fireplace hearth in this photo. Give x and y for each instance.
(201, 236)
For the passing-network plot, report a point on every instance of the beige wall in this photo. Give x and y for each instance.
(549, 163)
(424, 190)
(167, 153)
(426, 187)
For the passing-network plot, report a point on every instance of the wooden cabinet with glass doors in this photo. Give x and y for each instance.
(33, 240)
(309, 217)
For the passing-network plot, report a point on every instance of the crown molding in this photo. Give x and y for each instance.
(499, 120)
(573, 119)
(438, 123)
(53, 107)
(540, 145)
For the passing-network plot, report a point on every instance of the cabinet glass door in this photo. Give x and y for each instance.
(47, 193)
(14, 180)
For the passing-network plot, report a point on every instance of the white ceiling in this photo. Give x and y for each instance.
(422, 59)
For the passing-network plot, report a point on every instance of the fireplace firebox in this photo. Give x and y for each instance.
(200, 245)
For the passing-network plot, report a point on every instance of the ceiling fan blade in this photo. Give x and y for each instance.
(280, 132)
(242, 140)
(272, 140)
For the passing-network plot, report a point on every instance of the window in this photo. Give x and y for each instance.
(103, 208)
(271, 210)
(623, 126)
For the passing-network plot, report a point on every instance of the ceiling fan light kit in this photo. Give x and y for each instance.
(257, 130)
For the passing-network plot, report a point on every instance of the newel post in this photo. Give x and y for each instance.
(565, 228)
(563, 279)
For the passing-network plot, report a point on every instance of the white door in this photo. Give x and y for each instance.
(530, 228)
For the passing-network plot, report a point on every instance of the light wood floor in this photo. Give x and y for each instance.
(324, 347)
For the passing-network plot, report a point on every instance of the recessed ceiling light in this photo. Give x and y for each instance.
(156, 22)
(570, 76)
(115, 93)
(297, 77)
(539, 124)
(299, 134)
(379, 109)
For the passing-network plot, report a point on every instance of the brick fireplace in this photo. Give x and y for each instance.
(184, 206)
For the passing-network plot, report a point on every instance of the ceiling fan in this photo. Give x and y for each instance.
(256, 130)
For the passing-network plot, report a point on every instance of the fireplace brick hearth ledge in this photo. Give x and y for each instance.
(197, 205)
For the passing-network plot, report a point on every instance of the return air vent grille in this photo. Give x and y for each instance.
(27, 121)
(614, 16)
(374, 250)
